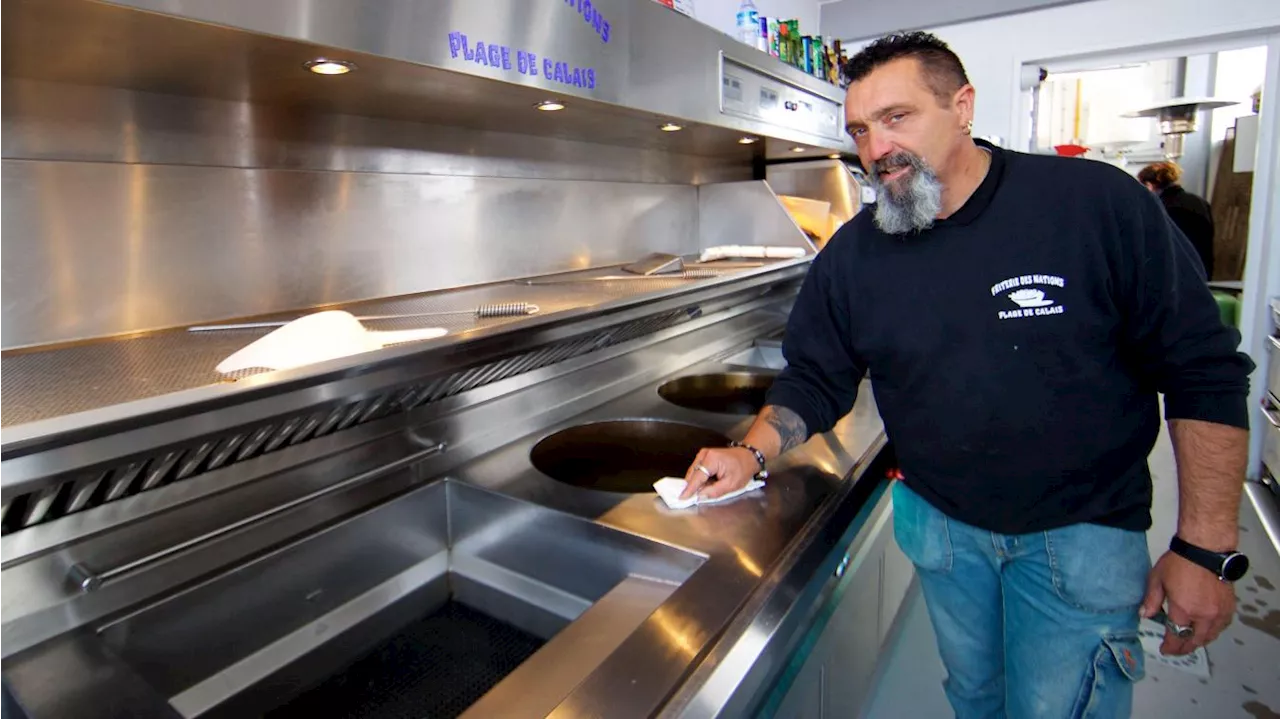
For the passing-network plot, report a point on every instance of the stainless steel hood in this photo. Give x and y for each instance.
(622, 67)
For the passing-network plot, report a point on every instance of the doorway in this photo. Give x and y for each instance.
(1082, 106)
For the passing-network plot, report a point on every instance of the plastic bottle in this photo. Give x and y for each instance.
(748, 22)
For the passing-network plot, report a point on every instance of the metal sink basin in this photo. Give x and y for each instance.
(727, 392)
(761, 355)
(450, 600)
(626, 455)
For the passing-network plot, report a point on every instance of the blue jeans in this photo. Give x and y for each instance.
(1030, 626)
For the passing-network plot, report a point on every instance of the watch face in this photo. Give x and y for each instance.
(1234, 567)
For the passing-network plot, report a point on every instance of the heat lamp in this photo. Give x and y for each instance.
(1177, 118)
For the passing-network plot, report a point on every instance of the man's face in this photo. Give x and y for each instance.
(907, 139)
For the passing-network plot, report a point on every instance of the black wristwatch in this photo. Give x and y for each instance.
(1229, 566)
(763, 473)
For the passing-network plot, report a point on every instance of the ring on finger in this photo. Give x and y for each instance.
(704, 470)
(1180, 631)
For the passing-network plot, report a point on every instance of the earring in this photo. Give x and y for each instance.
(968, 128)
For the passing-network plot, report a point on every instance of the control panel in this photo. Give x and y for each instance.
(753, 95)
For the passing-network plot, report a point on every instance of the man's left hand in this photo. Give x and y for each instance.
(1195, 598)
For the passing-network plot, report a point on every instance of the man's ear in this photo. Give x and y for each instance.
(962, 103)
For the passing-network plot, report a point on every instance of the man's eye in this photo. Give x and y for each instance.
(858, 131)
(895, 119)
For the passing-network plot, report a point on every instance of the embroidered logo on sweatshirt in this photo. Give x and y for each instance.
(1030, 296)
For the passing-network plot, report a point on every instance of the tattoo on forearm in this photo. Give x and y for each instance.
(789, 426)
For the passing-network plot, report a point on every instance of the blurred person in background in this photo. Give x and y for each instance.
(1188, 211)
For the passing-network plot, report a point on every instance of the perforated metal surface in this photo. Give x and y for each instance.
(86, 490)
(41, 384)
(435, 668)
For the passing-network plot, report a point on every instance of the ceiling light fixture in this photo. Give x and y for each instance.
(670, 127)
(797, 149)
(550, 105)
(747, 140)
(326, 66)
(833, 157)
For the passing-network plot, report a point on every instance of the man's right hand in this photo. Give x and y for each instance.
(774, 431)
(731, 467)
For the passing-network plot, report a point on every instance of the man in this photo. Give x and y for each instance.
(1189, 212)
(1019, 315)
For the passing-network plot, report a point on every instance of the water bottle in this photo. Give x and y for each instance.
(748, 23)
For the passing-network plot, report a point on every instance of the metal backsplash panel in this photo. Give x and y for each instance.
(745, 213)
(95, 249)
(826, 180)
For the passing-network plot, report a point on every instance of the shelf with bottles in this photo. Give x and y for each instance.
(782, 39)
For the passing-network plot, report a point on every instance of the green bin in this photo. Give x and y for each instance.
(1228, 308)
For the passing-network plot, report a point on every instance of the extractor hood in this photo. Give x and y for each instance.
(626, 71)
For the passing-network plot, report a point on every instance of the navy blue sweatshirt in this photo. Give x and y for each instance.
(1016, 348)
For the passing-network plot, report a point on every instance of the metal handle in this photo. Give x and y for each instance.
(503, 309)
(1275, 342)
(83, 578)
(1270, 413)
(86, 580)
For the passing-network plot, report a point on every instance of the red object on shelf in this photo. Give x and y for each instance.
(1070, 150)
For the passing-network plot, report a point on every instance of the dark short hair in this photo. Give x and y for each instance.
(943, 71)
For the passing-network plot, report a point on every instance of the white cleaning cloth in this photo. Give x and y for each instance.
(751, 251)
(318, 337)
(669, 488)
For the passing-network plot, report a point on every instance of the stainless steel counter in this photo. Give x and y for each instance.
(750, 544)
(648, 645)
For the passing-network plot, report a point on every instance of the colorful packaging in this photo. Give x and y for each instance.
(762, 42)
(774, 45)
(806, 54)
(793, 32)
(784, 41)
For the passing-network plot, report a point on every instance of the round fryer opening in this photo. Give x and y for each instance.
(726, 393)
(622, 455)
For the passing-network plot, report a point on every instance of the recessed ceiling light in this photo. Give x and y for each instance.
(833, 157)
(670, 127)
(797, 149)
(325, 66)
(550, 105)
(747, 140)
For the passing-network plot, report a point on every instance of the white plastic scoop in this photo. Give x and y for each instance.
(316, 338)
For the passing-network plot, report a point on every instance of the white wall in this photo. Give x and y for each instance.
(994, 50)
(722, 14)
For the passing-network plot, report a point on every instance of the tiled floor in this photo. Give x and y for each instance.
(1245, 661)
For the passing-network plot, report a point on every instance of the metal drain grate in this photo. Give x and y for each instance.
(175, 464)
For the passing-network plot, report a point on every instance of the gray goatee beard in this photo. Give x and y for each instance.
(908, 205)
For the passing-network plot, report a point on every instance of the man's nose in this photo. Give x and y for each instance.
(876, 146)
